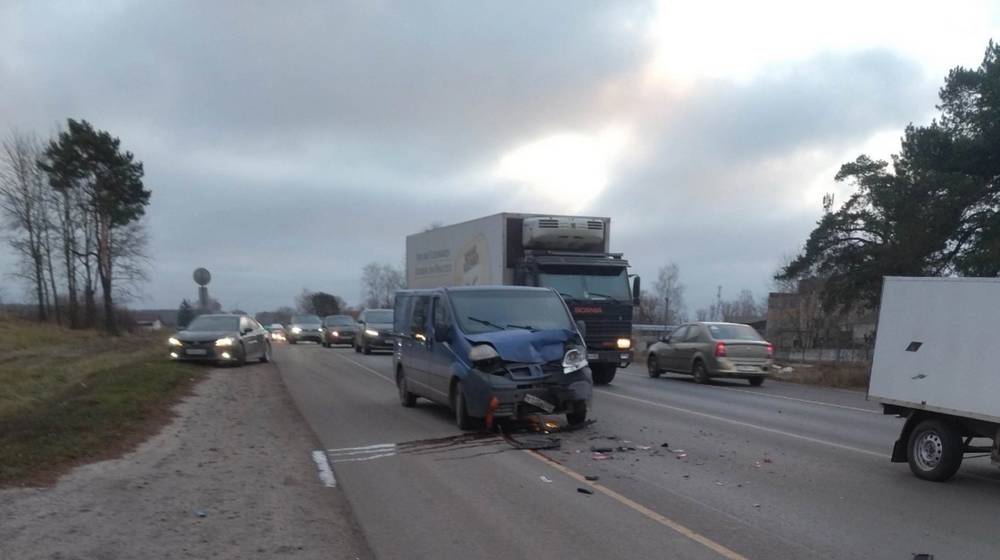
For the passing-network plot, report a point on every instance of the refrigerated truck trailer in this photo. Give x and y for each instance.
(934, 365)
(567, 253)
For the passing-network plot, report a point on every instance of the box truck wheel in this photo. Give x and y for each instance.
(935, 450)
(603, 373)
(462, 418)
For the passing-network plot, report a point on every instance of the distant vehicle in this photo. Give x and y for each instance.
(276, 331)
(223, 338)
(373, 331)
(338, 329)
(569, 254)
(305, 327)
(498, 351)
(934, 366)
(707, 350)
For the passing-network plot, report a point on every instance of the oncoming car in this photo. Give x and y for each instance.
(276, 331)
(304, 327)
(491, 352)
(707, 350)
(374, 331)
(221, 338)
(338, 329)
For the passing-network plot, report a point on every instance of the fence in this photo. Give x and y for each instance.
(852, 355)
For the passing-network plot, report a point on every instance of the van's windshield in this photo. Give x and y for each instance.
(493, 310)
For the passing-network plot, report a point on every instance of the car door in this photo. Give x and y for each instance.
(251, 344)
(441, 352)
(419, 347)
(691, 345)
(666, 354)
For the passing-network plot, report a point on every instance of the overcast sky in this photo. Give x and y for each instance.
(289, 143)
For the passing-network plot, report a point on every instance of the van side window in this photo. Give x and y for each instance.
(400, 324)
(442, 319)
(418, 319)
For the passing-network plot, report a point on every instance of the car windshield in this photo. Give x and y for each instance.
(733, 332)
(612, 285)
(305, 319)
(214, 323)
(492, 310)
(339, 321)
(379, 316)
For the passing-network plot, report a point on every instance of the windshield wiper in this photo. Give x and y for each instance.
(487, 323)
(612, 298)
(525, 327)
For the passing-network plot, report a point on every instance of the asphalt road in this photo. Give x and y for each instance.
(781, 471)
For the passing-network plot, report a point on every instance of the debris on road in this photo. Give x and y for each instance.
(545, 479)
(665, 444)
(587, 491)
(601, 449)
(600, 456)
(201, 513)
(592, 478)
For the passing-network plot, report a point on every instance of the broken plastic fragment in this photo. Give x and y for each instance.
(592, 478)
(585, 491)
(545, 478)
(601, 449)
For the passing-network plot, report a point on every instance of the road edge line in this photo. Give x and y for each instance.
(325, 471)
(682, 530)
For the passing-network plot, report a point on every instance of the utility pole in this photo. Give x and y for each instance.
(718, 304)
(666, 310)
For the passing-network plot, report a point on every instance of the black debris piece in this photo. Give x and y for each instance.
(596, 449)
(592, 478)
(589, 491)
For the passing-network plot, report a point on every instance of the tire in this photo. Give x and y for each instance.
(700, 373)
(266, 356)
(603, 373)
(652, 367)
(934, 450)
(241, 357)
(756, 381)
(462, 418)
(366, 350)
(579, 414)
(406, 398)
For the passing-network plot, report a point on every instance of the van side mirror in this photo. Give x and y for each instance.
(636, 290)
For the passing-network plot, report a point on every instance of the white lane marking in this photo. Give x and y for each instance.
(337, 453)
(362, 448)
(366, 368)
(773, 396)
(325, 472)
(748, 425)
(367, 458)
(822, 403)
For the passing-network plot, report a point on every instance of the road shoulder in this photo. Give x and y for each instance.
(231, 477)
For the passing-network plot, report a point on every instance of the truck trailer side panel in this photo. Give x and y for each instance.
(469, 253)
(934, 346)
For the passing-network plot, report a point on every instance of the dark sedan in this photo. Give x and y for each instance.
(221, 338)
(338, 329)
(305, 327)
(374, 331)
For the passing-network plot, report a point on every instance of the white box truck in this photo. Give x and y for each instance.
(567, 253)
(934, 365)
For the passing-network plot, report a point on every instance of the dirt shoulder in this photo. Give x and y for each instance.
(230, 477)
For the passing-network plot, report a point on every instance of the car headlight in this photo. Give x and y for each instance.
(173, 341)
(335, 333)
(296, 330)
(574, 359)
(225, 341)
(371, 332)
(624, 343)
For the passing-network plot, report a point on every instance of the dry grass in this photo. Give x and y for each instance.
(844, 375)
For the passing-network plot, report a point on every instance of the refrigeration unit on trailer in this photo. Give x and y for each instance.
(569, 254)
(934, 365)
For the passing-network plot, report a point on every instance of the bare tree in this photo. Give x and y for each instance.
(666, 303)
(379, 282)
(743, 309)
(22, 201)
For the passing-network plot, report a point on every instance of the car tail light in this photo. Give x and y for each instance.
(720, 349)
(770, 350)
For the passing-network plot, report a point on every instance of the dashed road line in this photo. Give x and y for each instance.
(366, 368)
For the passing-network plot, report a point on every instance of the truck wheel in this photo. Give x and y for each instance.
(462, 418)
(603, 373)
(579, 414)
(652, 367)
(756, 381)
(406, 398)
(700, 373)
(935, 450)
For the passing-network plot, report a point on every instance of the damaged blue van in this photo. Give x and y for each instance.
(491, 352)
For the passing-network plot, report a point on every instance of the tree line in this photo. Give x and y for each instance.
(665, 305)
(72, 207)
(934, 210)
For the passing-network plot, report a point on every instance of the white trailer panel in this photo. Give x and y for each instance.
(469, 253)
(934, 346)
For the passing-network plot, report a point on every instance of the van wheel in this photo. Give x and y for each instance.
(756, 381)
(406, 398)
(652, 367)
(462, 418)
(935, 450)
(700, 373)
(579, 414)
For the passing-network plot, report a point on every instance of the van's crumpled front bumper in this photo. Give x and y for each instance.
(514, 384)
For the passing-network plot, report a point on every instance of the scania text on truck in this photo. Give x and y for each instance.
(569, 254)
(934, 366)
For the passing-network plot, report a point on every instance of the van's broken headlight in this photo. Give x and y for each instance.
(574, 359)
(482, 353)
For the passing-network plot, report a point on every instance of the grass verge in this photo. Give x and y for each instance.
(97, 404)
